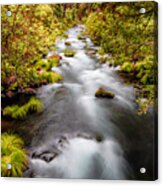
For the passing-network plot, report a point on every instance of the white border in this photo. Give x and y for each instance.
(53, 182)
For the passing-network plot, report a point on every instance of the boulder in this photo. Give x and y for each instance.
(99, 137)
(90, 52)
(104, 93)
(67, 43)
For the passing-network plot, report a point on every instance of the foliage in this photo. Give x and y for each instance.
(127, 67)
(23, 43)
(21, 112)
(47, 64)
(13, 153)
(51, 77)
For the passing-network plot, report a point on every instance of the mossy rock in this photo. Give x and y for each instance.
(67, 43)
(80, 37)
(103, 93)
(99, 137)
(65, 35)
(90, 52)
(69, 53)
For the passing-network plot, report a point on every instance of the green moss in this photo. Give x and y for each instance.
(21, 112)
(65, 35)
(69, 53)
(51, 77)
(99, 137)
(13, 153)
(101, 92)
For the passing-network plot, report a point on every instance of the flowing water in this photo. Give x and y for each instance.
(81, 136)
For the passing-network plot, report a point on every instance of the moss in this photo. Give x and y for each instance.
(80, 37)
(13, 153)
(69, 53)
(21, 112)
(65, 35)
(101, 92)
(51, 77)
(99, 137)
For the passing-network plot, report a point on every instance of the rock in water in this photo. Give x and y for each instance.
(67, 43)
(103, 93)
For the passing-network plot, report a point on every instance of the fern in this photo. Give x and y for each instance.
(21, 112)
(13, 153)
(127, 67)
(34, 105)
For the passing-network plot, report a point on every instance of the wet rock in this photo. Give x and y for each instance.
(62, 90)
(99, 137)
(62, 139)
(84, 135)
(83, 38)
(48, 157)
(45, 155)
(104, 93)
(90, 52)
(66, 63)
(67, 43)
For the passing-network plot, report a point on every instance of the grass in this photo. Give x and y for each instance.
(34, 105)
(13, 153)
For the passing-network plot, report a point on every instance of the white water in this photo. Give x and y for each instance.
(83, 158)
